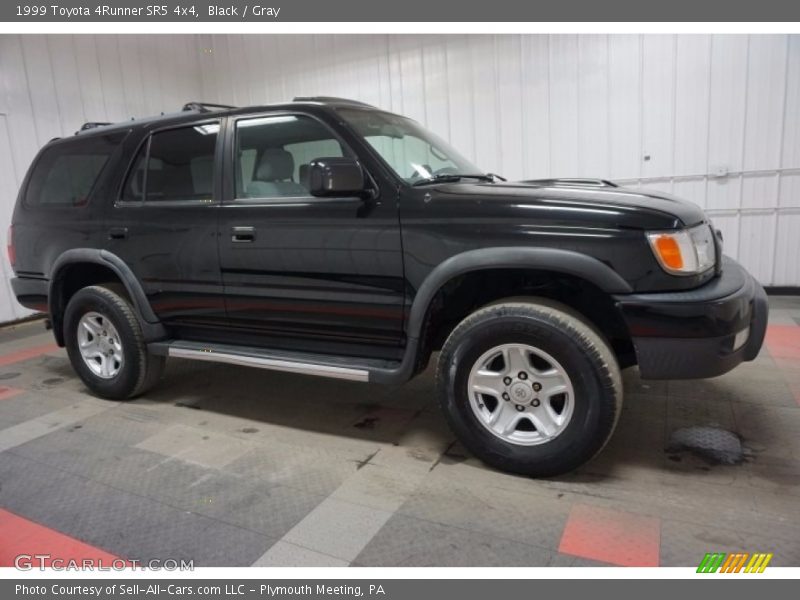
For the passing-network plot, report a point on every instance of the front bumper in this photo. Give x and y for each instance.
(699, 333)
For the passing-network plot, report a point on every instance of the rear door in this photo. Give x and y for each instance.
(302, 272)
(164, 224)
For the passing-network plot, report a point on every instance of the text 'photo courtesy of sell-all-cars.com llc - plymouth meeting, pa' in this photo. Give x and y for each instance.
(327, 237)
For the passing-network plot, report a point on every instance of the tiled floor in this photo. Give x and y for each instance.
(231, 466)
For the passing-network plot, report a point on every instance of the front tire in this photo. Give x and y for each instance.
(529, 388)
(106, 347)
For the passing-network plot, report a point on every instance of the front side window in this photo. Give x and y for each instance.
(66, 173)
(174, 165)
(273, 155)
(412, 152)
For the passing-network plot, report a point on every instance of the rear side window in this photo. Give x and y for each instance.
(65, 174)
(174, 165)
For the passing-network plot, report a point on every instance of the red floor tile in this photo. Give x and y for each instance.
(612, 536)
(25, 354)
(783, 341)
(21, 536)
(8, 392)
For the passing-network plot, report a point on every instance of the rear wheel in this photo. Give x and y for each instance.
(529, 388)
(105, 345)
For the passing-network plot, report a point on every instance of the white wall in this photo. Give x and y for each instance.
(719, 116)
(51, 85)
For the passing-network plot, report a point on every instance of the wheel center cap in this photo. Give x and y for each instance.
(521, 393)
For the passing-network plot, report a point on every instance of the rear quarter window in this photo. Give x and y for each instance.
(66, 173)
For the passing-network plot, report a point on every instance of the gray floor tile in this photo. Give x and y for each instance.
(535, 516)
(408, 542)
(126, 524)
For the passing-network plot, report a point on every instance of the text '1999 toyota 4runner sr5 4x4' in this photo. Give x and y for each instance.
(328, 237)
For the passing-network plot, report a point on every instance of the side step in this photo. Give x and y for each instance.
(337, 367)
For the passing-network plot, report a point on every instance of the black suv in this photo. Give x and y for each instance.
(328, 237)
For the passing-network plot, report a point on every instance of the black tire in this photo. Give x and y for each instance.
(140, 370)
(580, 350)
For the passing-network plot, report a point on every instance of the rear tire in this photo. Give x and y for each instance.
(106, 347)
(529, 388)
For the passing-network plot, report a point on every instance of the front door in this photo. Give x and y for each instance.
(302, 272)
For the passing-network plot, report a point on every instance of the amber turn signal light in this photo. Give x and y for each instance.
(669, 251)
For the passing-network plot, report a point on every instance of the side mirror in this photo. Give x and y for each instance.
(338, 176)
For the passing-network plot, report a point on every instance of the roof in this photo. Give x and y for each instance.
(191, 110)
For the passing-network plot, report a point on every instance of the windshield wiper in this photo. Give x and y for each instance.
(452, 177)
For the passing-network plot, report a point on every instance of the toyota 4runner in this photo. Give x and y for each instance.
(327, 237)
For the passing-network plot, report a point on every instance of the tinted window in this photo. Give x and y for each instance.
(66, 173)
(178, 164)
(273, 155)
(134, 185)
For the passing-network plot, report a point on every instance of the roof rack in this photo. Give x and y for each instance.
(332, 100)
(91, 125)
(205, 107)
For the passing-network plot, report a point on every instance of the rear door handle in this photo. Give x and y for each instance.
(118, 233)
(243, 235)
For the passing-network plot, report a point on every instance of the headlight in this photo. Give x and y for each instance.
(684, 252)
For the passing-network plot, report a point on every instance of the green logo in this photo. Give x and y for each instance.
(719, 562)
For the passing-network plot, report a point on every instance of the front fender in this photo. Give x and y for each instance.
(555, 260)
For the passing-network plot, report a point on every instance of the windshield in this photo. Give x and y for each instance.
(413, 152)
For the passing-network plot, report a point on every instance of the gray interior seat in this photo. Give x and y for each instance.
(274, 176)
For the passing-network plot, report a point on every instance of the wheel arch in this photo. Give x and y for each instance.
(99, 266)
(597, 277)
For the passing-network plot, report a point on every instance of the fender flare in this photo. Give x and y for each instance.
(555, 260)
(150, 323)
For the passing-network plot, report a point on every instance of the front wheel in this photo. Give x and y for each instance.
(105, 345)
(529, 388)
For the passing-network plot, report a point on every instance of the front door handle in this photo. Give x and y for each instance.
(118, 233)
(243, 235)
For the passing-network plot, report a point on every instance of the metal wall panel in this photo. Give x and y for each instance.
(728, 102)
(757, 234)
(790, 158)
(766, 92)
(511, 117)
(625, 105)
(593, 121)
(535, 85)
(658, 105)
(564, 150)
(692, 92)
(788, 246)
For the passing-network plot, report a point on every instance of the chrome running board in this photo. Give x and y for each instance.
(273, 364)
(321, 365)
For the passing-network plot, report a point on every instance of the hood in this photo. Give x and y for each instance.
(659, 207)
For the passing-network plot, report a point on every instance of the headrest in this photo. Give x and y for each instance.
(276, 165)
